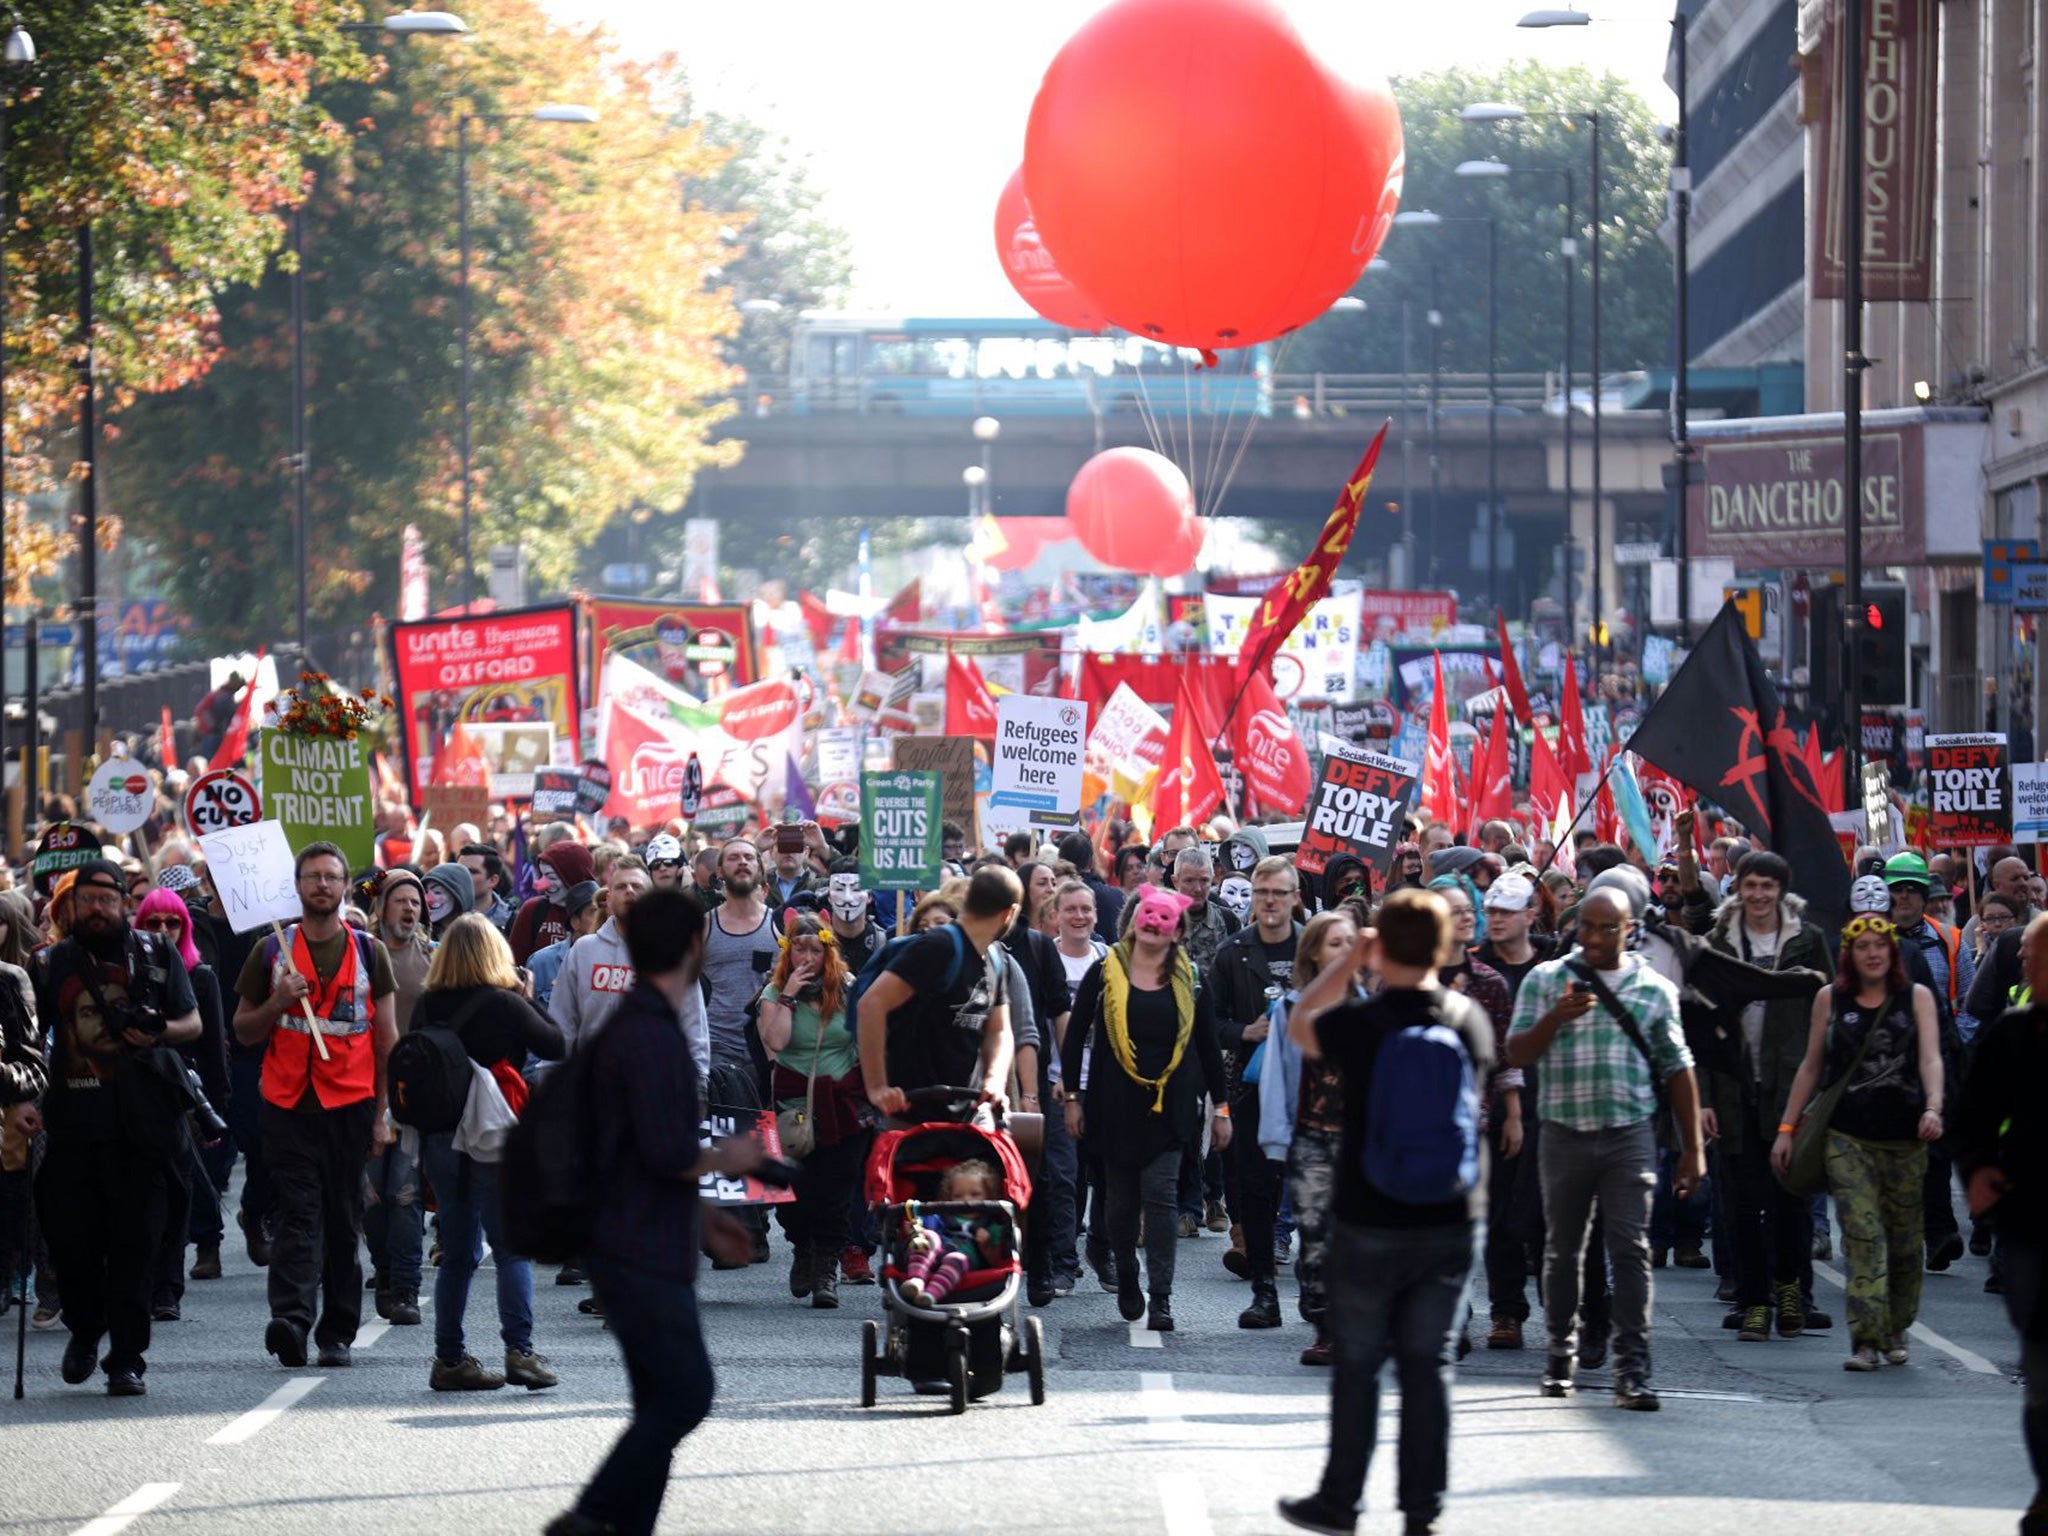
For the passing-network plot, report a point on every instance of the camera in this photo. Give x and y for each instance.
(139, 1017)
(207, 1125)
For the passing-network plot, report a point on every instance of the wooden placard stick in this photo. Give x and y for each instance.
(319, 1041)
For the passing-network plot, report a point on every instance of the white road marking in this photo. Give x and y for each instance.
(267, 1412)
(370, 1333)
(1969, 1359)
(1186, 1511)
(130, 1509)
(1155, 1396)
(1144, 1338)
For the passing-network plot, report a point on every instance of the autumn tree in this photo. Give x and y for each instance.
(595, 330)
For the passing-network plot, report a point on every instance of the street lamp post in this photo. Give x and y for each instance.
(16, 54)
(552, 113)
(86, 614)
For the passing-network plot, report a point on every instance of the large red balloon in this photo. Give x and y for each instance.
(1177, 554)
(1203, 178)
(1030, 266)
(1127, 505)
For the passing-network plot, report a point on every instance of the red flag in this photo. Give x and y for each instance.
(906, 608)
(462, 761)
(167, 739)
(817, 619)
(1268, 751)
(1572, 755)
(1548, 786)
(234, 746)
(1492, 797)
(1828, 775)
(849, 645)
(1189, 787)
(1289, 599)
(1511, 672)
(970, 710)
(1440, 773)
(1606, 817)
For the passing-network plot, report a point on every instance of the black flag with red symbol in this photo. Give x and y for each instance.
(1720, 730)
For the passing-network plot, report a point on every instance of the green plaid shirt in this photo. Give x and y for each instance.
(1593, 1078)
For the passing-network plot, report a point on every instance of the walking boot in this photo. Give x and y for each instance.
(1264, 1312)
(206, 1264)
(825, 1280)
(803, 1267)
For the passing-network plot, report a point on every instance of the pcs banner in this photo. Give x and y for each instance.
(701, 648)
(508, 668)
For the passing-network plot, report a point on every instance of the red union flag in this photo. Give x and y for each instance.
(1291, 597)
(1268, 752)
(1189, 787)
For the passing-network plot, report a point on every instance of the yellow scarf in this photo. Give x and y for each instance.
(1116, 998)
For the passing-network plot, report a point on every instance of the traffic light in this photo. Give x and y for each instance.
(1880, 643)
(1596, 636)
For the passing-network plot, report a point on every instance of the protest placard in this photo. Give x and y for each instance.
(2030, 802)
(1969, 791)
(252, 873)
(1039, 747)
(448, 806)
(317, 789)
(1125, 748)
(952, 759)
(1358, 810)
(723, 1122)
(900, 845)
(119, 797)
(554, 792)
(221, 799)
(65, 845)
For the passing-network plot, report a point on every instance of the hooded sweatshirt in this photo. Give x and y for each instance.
(543, 920)
(461, 890)
(595, 979)
(409, 961)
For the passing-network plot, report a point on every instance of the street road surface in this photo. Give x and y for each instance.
(1190, 1435)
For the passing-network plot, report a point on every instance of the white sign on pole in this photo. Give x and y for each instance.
(1039, 747)
(119, 796)
(252, 870)
(2030, 802)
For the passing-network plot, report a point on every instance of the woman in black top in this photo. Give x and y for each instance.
(1877, 1139)
(1141, 1043)
(474, 989)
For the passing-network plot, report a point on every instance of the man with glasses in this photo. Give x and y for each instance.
(323, 1110)
(1606, 1028)
(665, 862)
(1253, 971)
(110, 996)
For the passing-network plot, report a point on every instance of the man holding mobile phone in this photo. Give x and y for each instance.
(739, 951)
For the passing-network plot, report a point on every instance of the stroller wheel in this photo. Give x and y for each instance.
(1034, 1359)
(870, 1352)
(956, 1370)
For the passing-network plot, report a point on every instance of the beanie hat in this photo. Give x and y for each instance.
(571, 861)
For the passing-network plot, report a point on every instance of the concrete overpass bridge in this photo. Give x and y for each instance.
(868, 465)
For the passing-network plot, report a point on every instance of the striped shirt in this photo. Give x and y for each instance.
(1593, 1078)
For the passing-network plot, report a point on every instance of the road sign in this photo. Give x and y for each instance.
(220, 800)
(1637, 554)
(2001, 556)
(2029, 588)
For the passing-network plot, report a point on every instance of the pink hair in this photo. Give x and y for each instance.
(167, 901)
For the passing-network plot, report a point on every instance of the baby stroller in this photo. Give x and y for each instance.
(969, 1339)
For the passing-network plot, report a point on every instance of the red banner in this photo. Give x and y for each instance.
(499, 669)
(1407, 610)
(701, 648)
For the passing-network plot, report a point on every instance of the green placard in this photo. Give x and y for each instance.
(901, 814)
(318, 790)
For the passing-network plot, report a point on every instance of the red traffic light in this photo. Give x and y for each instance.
(1873, 616)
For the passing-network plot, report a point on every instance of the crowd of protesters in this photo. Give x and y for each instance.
(1199, 1033)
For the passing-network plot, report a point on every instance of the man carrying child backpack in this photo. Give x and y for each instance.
(1410, 1201)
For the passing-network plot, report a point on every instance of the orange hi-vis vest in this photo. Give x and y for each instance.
(346, 1012)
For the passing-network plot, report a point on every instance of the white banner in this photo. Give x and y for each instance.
(1318, 661)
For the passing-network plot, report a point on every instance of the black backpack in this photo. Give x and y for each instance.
(427, 1074)
(549, 1169)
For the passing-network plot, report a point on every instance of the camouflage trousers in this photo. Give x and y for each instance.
(1311, 1187)
(1876, 1185)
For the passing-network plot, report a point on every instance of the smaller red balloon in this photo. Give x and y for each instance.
(1030, 266)
(1128, 505)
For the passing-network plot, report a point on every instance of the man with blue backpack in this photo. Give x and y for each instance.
(1410, 1201)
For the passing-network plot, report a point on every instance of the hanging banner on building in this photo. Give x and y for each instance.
(1039, 747)
(1901, 76)
(499, 669)
(701, 648)
(317, 788)
(1399, 611)
(1775, 502)
(1358, 810)
(900, 818)
(1969, 791)
(1319, 660)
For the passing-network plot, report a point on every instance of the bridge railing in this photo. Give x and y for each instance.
(1304, 396)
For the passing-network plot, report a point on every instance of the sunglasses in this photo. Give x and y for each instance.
(1870, 922)
(161, 924)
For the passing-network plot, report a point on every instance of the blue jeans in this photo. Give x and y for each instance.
(469, 1213)
(1676, 1223)
(393, 1220)
(655, 1321)
(1398, 1293)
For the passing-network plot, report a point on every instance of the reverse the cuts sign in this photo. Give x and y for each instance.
(1358, 810)
(1969, 791)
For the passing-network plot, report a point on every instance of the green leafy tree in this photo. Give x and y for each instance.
(1446, 266)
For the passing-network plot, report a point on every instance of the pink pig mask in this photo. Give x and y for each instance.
(1159, 910)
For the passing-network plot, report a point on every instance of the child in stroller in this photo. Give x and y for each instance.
(943, 1248)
